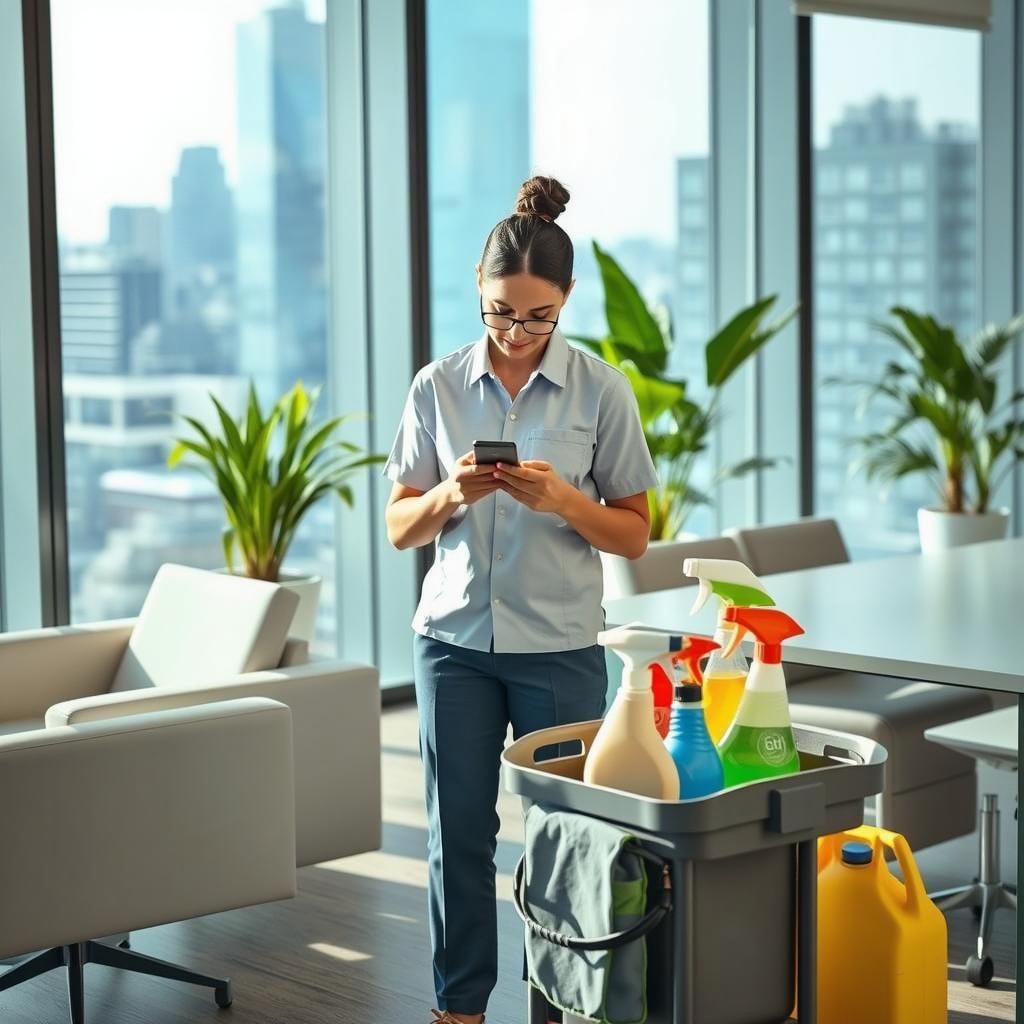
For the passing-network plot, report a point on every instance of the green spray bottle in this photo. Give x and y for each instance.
(760, 743)
(726, 675)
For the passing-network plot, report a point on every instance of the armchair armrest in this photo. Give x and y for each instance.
(336, 723)
(41, 666)
(120, 825)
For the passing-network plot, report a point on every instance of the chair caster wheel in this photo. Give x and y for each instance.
(223, 995)
(980, 971)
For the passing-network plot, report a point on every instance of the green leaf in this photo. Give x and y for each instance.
(232, 435)
(174, 456)
(654, 397)
(630, 321)
(938, 351)
(253, 413)
(751, 465)
(740, 338)
(992, 340)
(890, 458)
(227, 538)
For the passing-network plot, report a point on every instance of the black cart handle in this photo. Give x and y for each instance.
(646, 924)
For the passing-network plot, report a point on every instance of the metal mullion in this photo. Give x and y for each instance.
(419, 208)
(805, 221)
(49, 391)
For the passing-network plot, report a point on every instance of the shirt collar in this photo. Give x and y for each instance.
(480, 363)
(553, 365)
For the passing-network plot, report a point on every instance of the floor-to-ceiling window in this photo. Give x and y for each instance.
(611, 99)
(191, 149)
(896, 137)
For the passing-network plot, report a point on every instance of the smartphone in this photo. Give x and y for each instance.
(489, 452)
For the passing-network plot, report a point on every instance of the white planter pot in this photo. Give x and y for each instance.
(943, 530)
(303, 626)
(308, 588)
(658, 568)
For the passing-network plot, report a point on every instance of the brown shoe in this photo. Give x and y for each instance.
(447, 1018)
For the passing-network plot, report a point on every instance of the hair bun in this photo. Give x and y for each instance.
(545, 197)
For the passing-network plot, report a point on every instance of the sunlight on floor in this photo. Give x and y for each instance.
(407, 870)
(350, 956)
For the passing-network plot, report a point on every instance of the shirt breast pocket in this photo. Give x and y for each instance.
(570, 452)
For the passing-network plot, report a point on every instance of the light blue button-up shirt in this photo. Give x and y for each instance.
(502, 570)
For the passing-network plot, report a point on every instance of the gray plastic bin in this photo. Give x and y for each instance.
(744, 871)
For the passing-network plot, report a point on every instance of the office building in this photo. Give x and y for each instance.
(481, 148)
(896, 225)
(135, 234)
(279, 199)
(106, 303)
(201, 250)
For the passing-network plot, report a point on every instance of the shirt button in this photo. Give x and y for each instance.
(501, 511)
(512, 416)
(500, 556)
(497, 600)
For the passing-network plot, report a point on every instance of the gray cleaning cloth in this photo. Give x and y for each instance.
(582, 881)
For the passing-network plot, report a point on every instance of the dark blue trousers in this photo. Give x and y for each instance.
(466, 701)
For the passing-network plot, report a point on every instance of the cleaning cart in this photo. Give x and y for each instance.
(742, 868)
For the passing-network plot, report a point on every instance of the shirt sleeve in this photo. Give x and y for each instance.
(622, 462)
(413, 458)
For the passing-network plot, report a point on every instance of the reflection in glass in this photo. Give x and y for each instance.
(191, 164)
(895, 152)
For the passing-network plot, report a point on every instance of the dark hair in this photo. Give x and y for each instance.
(529, 241)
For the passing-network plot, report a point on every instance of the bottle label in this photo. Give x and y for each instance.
(774, 747)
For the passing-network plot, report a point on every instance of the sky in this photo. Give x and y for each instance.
(630, 78)
(618, 92)
(855, 58)
(163, 68)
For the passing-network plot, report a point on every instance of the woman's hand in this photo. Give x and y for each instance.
(535, 484)
(468, 482)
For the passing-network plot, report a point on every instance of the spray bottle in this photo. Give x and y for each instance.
(759, 743)
(628, 752)
(689, 743)
(733, 584)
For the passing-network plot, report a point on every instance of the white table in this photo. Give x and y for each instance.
(991, 737)
(953, 617)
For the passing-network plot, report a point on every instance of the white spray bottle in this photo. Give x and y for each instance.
(628, 752)
(726, 674)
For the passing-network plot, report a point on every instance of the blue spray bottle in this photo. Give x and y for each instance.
(689, 743)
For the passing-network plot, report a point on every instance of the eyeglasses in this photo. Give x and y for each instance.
(501, 322)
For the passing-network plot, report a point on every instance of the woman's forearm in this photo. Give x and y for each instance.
(415, 521)
(619, 531)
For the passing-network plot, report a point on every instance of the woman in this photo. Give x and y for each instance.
(507, 621)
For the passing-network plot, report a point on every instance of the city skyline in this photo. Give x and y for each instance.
(201, 110)
(237, 285)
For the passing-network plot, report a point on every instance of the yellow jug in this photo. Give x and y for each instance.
(881, 942)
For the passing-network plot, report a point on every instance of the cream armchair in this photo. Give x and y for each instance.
(204, 637)
(140, 821)
(335, 710)
(202, 642)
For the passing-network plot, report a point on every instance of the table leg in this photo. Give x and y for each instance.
(1018, 1003)
(807, 930)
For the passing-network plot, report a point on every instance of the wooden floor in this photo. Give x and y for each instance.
(353, 947)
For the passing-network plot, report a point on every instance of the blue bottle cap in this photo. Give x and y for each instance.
(857, 853)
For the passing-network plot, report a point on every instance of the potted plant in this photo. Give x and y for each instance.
(947, 423)
(270, 471)
(678, 427)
